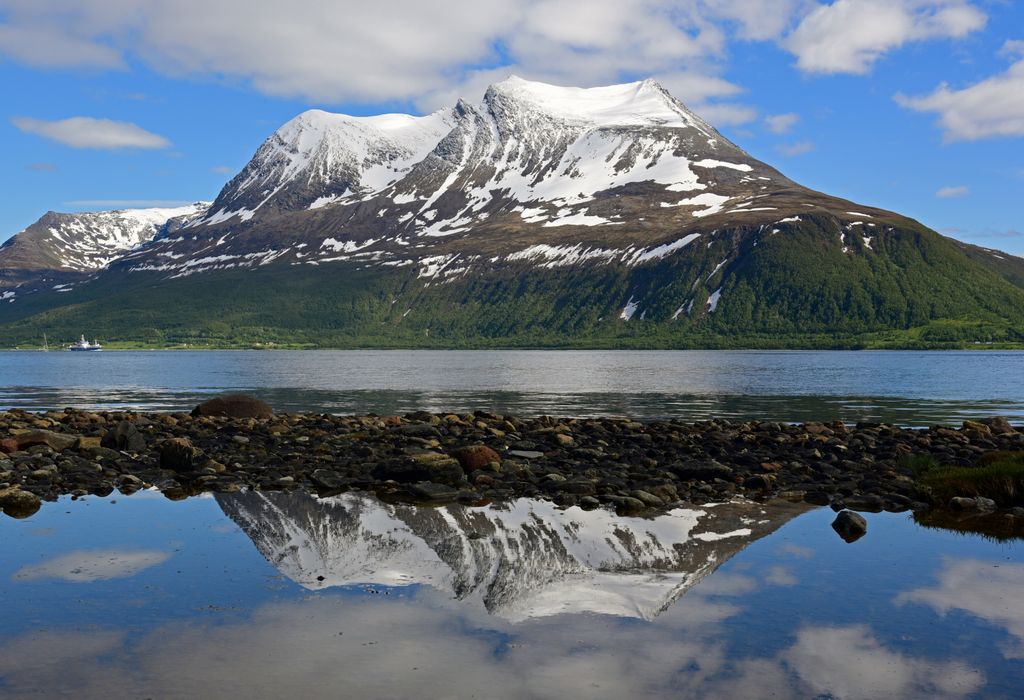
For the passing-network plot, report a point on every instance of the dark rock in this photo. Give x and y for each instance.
(850, 526)
(431, 491)
(234, 406)
(865, 502)
(124, 437)
(626, 505)
(817, 498)
(759, 482)
(476, 457)
(423, 430)
(701, 471)
(578, 488)
(180, 455)
(589, 503)
(327, 479)
(525, 454)
(406, 470)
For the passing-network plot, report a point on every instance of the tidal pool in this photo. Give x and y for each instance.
(268, 595)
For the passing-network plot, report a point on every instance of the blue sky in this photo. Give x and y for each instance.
(911, 105)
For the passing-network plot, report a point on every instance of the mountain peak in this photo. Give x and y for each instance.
(640, 103)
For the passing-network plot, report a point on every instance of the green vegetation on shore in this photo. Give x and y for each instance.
(912, 289)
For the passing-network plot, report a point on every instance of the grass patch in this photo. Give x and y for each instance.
(1000, 477)
(917, 464)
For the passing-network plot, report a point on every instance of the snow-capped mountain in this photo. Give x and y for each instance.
(542, 213)
(85, 242)
(517, 560)
(539, 174)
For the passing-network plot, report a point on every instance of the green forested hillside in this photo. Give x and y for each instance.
(907, 287)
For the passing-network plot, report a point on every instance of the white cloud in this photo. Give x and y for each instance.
(951, 192)
(426, 53)
(991, 108)
(848, 36)
(54, 47)
(725, 114)
(796, 149)
(222, 169)
(88, 132)
(1012, 48)
(127, 203)
(849, 663)
(781, 123)
(87, 566)
(993, 593)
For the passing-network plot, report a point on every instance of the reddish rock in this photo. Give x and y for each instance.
(476, 457)
(234, 406)
(9, 445)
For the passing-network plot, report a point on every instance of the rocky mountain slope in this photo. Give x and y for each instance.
(518, 560)
(68, 245)
(544, 215)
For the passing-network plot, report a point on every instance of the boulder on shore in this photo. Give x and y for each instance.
(234, 406)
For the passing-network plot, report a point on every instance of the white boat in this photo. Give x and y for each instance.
(84, 344)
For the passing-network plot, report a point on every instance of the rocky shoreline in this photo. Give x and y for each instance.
(234, 443)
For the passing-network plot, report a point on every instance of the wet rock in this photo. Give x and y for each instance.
(867, 503)
(759, 482)
(476, 457)
(180, 455)
(417, 430)
(432, 491)
(817, 498)
(648, 499)
(701, 471)
(408, 470)
(19, 504)
(627, 505)
(526, 454)
(124, 437)
(234, 406)
(850, 526)
(327, 479)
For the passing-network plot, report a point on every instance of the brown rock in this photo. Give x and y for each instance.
(477, 457)
(8, 445)
(31, 438)
(234, 406)
(19, 504)
(999, 425)
(180, 455)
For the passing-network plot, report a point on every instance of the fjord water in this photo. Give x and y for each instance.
(907, 388)
(265, 595)
(268, 595)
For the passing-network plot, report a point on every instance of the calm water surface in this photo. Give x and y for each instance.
(910, 388)
(279, 595)
(268, 595)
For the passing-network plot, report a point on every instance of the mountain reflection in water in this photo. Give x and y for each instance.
(144, 597)
(519, 560)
